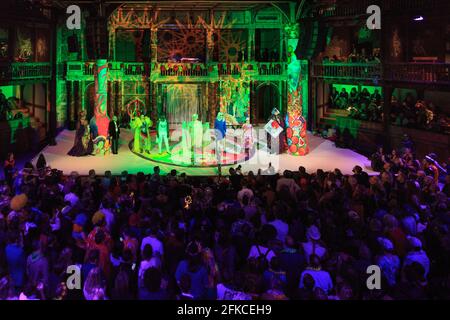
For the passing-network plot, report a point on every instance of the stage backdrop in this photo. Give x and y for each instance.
(182, 101)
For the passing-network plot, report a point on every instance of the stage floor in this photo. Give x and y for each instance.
(323, 155)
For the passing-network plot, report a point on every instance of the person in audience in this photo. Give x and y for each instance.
(300, 235)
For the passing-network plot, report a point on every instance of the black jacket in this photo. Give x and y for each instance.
(112, 130)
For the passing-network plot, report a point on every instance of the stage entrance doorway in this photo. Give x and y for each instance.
(267, 98)
(181, 101)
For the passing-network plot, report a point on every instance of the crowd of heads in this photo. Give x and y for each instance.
(357, 56)
(295, 235)
(419, 114)
(7, 105)
(362, 105)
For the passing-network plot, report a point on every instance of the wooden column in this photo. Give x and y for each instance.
(387, 93)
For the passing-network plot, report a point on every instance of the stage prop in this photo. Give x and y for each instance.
(101, 98)
(295, 122)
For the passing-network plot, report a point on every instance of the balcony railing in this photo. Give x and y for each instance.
(271, 69)
(183, 70)
(135, 69)
(343, 10)
(89, 68)
(394, 5)
(230, 69)
(359, 7)
(25, 71)
(436, 73)
(348, 71)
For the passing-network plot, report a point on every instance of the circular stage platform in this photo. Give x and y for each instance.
(232, 155)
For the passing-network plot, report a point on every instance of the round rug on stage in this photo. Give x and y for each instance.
(232, 155)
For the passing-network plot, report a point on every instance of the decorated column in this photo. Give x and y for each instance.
(154, 44)
(295, 122)
(101, 98)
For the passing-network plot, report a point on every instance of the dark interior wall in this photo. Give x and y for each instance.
(406, 39)
(340, 44)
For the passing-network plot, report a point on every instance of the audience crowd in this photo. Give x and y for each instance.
(418, 114)
(298, 235)
(361, 105)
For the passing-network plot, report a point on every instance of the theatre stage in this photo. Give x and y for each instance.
(323, 155)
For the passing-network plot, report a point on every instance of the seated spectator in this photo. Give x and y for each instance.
(321, 278)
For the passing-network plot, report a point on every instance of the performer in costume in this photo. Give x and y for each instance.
(146, 145)
(247, 137)
(220, 126)
(276, 116)
(196, 134)
(136, 124)
(113, 133)
(83, 145)
(163, 134)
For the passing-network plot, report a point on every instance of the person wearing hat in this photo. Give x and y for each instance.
(417, 254)
(313, 245)
(388, 262)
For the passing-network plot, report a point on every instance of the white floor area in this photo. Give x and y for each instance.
(323, 154)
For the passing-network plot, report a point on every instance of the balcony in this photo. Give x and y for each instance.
(77, 70)
(404, 5)
(184, 70)
(129, 71)
(342, 10)
(437, 74)
(230, 69)
(25, 71)
(371, 71)
(359, 7)
(135, 69)
(426, 73)
(271, 69)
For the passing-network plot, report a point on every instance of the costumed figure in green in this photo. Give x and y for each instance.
(146, 143)
(196, 138)
(163, 134)
(136, 125)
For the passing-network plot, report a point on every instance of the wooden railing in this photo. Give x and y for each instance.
(350, 71)
(403, 5)
(436, 73)
(271, 68)
(25, 70)
(135, 69)
(342, 10)
(359, 7)
(89, 68)
(229, 69)
(183, 69)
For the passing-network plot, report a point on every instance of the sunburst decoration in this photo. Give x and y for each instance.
(139, 19)
(230, 44)
(187, 40)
